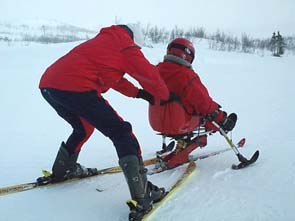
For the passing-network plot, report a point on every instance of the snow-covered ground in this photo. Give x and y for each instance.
(258, 88)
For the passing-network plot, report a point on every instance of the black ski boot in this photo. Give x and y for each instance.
(143, 192)
(66, 167)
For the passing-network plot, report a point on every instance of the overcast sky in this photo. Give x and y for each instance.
(255, 17)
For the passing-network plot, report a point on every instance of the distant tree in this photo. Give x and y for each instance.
(273, 44)
(188, 34)
(172, 35)
(281, 44)
(277, 44)
(290, 43)
(43, 27)
(176, 33)
(157, 35)
(247, 44)
(236, 44)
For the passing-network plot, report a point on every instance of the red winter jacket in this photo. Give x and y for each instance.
(195, 100)
(100, 63)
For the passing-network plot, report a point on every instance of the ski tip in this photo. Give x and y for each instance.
(242, 142)
(255, 156)
(242, 165)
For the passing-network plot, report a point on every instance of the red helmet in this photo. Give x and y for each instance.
(183, 48)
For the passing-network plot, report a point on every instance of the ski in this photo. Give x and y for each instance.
(244, 163)
(160, 169)
(32, 185)
(190, 170)
(240, 144)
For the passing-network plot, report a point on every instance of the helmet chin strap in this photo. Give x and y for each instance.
(177, 60)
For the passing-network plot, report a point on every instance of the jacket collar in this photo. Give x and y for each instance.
(177, 60)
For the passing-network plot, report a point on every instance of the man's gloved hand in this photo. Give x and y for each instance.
(143, 94)
(227, 123)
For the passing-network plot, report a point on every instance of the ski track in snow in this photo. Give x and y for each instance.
(259, 88)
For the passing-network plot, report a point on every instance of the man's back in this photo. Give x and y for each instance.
(92, 65)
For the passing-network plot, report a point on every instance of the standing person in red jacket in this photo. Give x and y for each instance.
(192, 105)
(73, 86)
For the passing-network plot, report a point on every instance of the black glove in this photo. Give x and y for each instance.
(172, 98)
(229, 122)
(143, 94)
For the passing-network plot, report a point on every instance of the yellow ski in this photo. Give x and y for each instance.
(190, 170)
(29, 186)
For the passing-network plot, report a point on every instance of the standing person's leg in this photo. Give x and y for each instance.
(106, 120)
(66, 159)
(97, 112)
(103, 117)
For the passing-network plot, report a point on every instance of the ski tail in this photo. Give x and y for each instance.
(17, 188)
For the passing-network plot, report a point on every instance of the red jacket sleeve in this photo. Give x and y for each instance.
(147, 75)
(126, 87)
(197, 94)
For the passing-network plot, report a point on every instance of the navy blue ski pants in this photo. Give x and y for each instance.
(85, 111)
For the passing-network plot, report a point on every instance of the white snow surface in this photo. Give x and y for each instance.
(258, 88)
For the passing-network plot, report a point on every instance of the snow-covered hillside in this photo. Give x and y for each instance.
(40, 30)
(258, 88)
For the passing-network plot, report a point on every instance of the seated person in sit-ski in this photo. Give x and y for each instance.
(189, 108)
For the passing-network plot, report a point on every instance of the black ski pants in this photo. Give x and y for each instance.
(85, 111)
